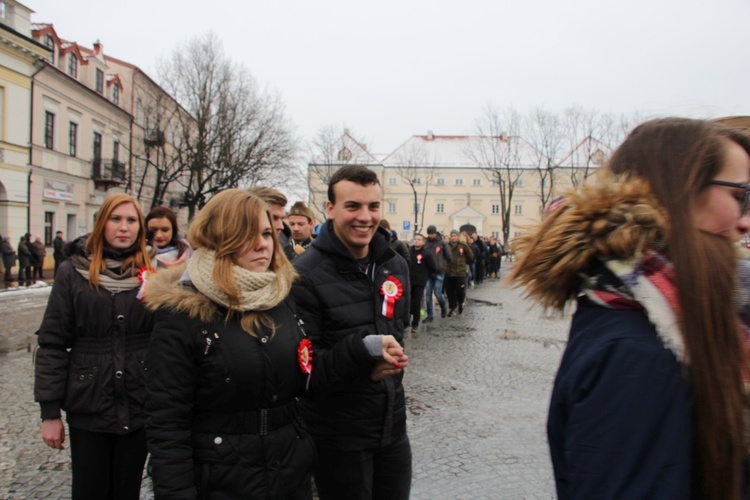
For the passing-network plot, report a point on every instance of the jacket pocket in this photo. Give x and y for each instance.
(83, 394)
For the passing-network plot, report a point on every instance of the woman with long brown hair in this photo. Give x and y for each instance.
(92, 350)
(648, 399)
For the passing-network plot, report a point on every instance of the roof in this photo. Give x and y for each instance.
(346, 151)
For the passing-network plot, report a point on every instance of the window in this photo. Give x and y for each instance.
(49, 42)
(459, 182)
(476, 182)
(392, 181)
(518, 183)
(97, 145)
(139, 111)
(518, 210)
(116, 94)
(516, 234)
(72, 65)
(416, 181)
(391, 207)
(49, 219)
(495, 209)
(344, 154)
(496, 234)
(494, 182)
(324, 179)
(99, 81)
(440, 208)
(73, 138)
(440, 181)
(3, 10)
(116, 151)
(49, 130)
(542, 183)
(417, 208)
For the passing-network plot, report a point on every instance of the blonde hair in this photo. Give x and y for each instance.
(96, 240)
(227, 223)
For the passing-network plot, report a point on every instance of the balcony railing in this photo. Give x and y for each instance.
(107, 172)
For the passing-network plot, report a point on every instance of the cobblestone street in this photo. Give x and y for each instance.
(477, 392)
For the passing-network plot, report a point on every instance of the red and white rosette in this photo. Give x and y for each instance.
(304, 358)
(392, 290)
(144, 274)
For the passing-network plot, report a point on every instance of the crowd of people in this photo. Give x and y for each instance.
(260, 351)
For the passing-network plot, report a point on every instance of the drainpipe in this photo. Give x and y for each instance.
(31, 145)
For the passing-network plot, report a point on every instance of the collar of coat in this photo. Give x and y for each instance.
(168, 291)
(327, 241)
(607, 219)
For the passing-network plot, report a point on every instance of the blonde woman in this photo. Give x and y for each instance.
(92, 350)
(227, 361)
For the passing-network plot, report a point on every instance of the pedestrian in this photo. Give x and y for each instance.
(302, 224)
(421, 267)
(473, 277)
(397, 245)
(92, 351)
(648, 399)
(40, 252)
(480, 258)
(24, 260)
(163, 233)
(58, 244)
(457, 272)
(439, 248)
(495, 258)
(9, 258)
(353, 296)
(224, 363)
(277, 205)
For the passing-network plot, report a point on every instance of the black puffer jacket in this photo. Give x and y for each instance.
(91, 357)
(340, 305)
(222, 417)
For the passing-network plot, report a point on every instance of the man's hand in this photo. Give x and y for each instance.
(393, 362)
(53, 433)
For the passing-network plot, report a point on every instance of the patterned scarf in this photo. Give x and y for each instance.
(644, 282)
(259, 291)
(113, 279)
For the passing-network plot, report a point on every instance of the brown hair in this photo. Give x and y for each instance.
(269, 195)
(95, 241)
(227, 223)
(162, 212)
(352, 173)
(679, 157)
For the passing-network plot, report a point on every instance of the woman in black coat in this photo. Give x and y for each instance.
(92, 349)
(227, 362)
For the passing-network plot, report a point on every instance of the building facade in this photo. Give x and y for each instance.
(442, 181)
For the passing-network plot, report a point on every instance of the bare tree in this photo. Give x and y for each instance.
(237, 135)
(581, 127)
(496, 149)
(331, 148)
(414, 167)
(545, 134)
(615, 128)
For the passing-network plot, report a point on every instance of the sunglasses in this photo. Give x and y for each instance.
(745, 202)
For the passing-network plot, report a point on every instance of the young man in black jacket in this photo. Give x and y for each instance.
(421, 267)
(353, 293)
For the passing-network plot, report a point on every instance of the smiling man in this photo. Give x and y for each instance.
(353, 294)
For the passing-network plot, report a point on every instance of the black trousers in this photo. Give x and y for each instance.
(107, 466)
(382, 473)
(417, 292)
(455, 288)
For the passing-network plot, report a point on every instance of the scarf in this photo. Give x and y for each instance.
(113, 279)
(644, 282)
(170, 256)
(258, 291)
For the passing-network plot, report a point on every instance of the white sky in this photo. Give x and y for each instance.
(389, 69)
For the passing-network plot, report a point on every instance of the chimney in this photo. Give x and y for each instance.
(98, 48)
(430, 135)
(346, 131)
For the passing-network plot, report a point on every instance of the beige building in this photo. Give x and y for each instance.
(20, 58)
(442, 179)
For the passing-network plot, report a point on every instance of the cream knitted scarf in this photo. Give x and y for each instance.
(259, 291)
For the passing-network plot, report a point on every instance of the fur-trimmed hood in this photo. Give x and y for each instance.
(166, 291)
(607, 220)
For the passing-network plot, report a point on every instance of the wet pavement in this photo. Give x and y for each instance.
(477, 391)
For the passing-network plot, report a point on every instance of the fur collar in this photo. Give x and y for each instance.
(607, 219)
(166, 291)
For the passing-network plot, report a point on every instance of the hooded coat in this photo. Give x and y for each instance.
(222, 409)
(341, 303)
(620, 418)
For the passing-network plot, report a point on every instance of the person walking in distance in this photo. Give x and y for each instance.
(9, 257)
(439, 249)
(24, 260)
(421, 267)
(41, 253)
(353, 296)
(57, 245)
(456, 274)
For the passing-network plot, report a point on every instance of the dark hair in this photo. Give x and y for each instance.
(162, 212)
(352, 173)
(679, 158)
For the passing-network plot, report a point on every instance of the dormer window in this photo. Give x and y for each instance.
(99, 81)
(72, 65)
(344, 154)
(49, 42)
(3, 10)
(116, 94)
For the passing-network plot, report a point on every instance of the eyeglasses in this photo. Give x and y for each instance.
(745, 202)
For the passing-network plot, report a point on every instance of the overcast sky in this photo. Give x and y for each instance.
(392, 69)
